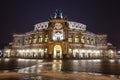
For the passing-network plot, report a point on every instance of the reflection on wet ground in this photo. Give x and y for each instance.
(43, 67)
(33, 67)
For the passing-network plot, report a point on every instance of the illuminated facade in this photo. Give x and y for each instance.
(59, 38)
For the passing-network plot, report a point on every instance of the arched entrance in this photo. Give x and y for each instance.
(57, 51)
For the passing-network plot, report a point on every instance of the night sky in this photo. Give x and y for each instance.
(100, 16)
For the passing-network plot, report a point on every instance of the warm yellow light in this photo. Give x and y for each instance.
(82, 50)
(57, 51)
(8, 51)
(23, 50)
(97, 51)
(19, 51)
(111, 51)
(27, 50)
(89, 51)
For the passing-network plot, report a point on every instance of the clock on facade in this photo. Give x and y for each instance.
(58, 26)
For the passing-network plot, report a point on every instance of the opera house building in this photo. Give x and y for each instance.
(59, 38)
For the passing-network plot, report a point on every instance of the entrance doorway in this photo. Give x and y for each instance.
(57, 52)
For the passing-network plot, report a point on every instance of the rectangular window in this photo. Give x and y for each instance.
(34, 40)
(40, 39)
(69, 39)
(76, 39)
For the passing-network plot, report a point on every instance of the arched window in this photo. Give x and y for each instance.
(41, 38)
(82, 39)
(92, 41)
(46, 38)
(26, 41)
(30, 40)
(88, 40)
(34, 39)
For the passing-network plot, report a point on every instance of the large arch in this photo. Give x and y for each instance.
(57, 53)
